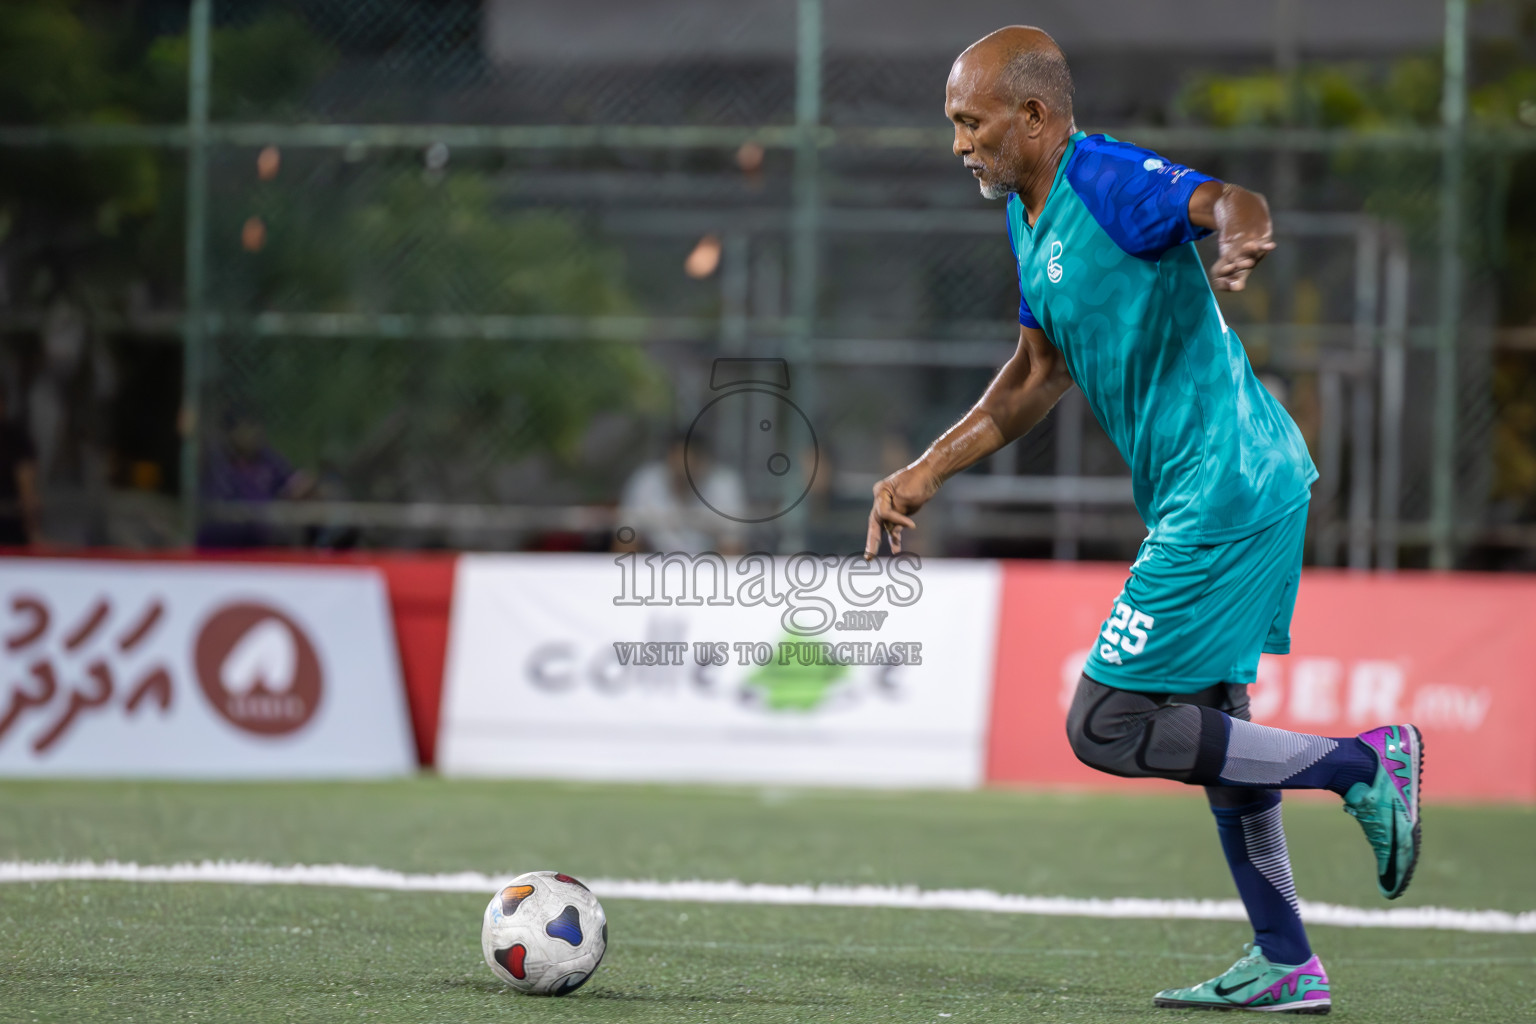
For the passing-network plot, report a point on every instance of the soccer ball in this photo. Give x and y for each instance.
(544, 933)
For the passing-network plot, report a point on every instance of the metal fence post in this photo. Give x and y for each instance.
(1394, 372)
(1284, 266)
(1362, 399)
(807, 187)
(194, 323)
(805, 241)
(1453, 117)
(735, 299)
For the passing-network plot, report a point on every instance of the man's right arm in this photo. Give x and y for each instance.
(1023, 391)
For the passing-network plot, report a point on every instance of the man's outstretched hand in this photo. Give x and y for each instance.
(897, 497)
(1244, 232)
(1237, 255)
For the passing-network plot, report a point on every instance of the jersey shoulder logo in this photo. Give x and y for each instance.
(1052, 267)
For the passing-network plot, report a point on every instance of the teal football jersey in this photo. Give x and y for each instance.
(1110, 272)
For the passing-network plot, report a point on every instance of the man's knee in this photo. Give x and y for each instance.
(1082, 746)
(1090, 745)
(1134, 735)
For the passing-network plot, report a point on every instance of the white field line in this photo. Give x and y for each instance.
(905, 897)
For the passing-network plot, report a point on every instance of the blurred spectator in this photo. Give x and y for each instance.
(337, 535)
(18, 482)
(661, 511)
(242, 467)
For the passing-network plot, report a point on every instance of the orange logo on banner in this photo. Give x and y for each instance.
(1446, 652)
(258, 669)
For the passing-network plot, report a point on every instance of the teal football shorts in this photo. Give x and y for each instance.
(1192, 616)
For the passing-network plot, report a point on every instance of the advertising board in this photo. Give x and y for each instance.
(178, 670)
(808, 669)
(1449, 653)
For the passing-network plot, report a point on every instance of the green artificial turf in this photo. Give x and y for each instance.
(113, 951)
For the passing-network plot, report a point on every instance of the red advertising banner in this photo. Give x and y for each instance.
(1450, 653)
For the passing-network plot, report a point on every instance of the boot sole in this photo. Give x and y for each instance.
(1314, 1008)
(1418, 828)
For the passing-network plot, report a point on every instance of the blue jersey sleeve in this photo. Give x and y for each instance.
(1026, 318)
(1138, 198)
(1015, 215)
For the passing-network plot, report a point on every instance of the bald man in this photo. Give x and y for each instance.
(1113, 299)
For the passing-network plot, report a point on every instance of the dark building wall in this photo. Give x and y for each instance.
(625, 31)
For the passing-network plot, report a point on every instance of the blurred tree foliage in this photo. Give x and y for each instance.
(96, 225)
(1500, 197)
(425, 243)
(1403, 186)
(68, 215)
(84, 219)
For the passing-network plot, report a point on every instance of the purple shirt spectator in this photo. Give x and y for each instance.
(257, 476)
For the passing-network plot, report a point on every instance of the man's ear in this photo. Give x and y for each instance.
(1035, 115)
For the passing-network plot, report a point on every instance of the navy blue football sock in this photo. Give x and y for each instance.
(1254, 841)
(1343, 766)
(1257, 755)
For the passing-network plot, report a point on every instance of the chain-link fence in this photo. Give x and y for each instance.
(455, 274)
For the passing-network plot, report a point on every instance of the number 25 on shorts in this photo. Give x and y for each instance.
(1127, 630)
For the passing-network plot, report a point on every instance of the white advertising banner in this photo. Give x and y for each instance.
(204, 671)
(807, 669)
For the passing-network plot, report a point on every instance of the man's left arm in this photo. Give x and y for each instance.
(1244, 232)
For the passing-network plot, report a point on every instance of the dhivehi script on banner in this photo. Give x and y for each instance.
(809, 668)
(114, 668)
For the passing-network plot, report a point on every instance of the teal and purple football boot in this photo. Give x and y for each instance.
(1255, 984)
(1388, 807)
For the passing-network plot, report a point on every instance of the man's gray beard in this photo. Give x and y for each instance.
(990, 190)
